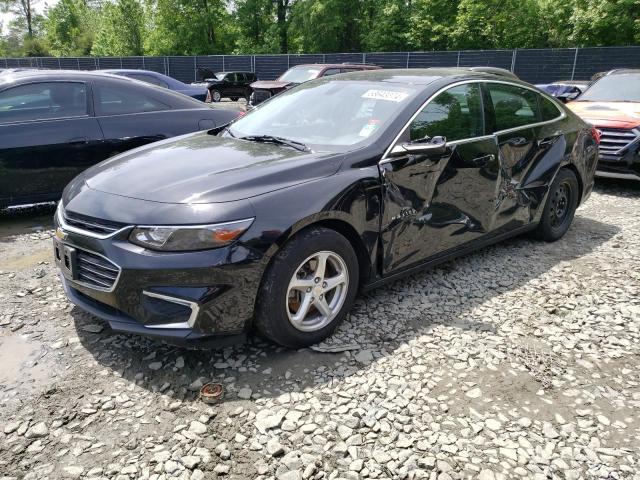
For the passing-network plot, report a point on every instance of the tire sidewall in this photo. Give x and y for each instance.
(272, 319)
(213, 95)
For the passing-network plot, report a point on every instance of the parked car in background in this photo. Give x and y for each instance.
(612, 105)
(565, 90)
(263, 90)
(165, 81)
(55, 124)
(233, 85)
(337, 185)
(9, 71)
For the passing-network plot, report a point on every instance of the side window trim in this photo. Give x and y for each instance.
(385, 157)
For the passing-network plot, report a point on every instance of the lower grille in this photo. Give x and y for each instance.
(102, 227)
(615, 141)
(96, 271)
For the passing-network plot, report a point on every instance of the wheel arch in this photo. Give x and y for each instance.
(576, 172)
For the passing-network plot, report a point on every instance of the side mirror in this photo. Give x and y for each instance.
(430, 146)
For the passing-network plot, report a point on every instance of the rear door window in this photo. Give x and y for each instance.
(42, 101)
(513, 106)
(331, 71)
(548, 109)
(455, 114)
(149, 79)
(120, 101)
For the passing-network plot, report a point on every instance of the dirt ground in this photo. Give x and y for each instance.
(519, 361)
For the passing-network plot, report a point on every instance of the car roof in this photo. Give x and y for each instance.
(339, 65)
(422, 76)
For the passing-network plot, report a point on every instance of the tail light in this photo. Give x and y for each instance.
(596, 134)
(208, 99)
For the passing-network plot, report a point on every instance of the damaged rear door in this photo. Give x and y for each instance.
(531, 146)
(437, 200)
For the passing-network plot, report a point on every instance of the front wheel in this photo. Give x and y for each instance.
(308, 289)
(216, 96)
(560, 208)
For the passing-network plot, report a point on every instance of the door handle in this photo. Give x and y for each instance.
(78, 141)
(516, 141)
(482, 161)
(546, 142)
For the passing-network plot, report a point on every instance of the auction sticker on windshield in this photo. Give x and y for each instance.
(389, 95)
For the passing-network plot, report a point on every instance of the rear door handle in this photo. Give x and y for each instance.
(517, 141)
(546, 142)
(482, 161)
(78, 141)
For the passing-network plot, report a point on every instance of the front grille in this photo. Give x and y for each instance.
(102, 227)
(96, 271)
(614, 141)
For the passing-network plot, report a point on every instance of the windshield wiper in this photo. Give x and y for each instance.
(278, 140)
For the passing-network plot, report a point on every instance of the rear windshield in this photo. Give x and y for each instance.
(300, 74)
(614, 88)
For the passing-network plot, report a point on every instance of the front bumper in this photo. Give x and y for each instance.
(183, 298)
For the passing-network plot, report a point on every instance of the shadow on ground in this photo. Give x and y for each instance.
(402, 310)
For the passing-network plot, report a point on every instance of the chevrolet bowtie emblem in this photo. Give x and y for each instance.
(61, 234)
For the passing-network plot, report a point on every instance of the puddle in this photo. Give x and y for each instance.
(23, 220)
(23, 363)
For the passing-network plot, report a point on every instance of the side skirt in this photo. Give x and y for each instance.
(445, 257)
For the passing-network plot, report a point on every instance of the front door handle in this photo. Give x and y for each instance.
(78, 141)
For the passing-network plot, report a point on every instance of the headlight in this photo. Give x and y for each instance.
(184, 238)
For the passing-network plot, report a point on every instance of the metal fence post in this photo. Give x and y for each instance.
(458, 64)
(364, 58)
(513, 60)
(575, 60)
(195, 68)
(223, 63)
(408, 55)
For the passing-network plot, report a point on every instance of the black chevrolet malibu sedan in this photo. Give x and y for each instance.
(55, 124)
(340, 184)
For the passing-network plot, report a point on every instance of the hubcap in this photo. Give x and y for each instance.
(216, 96)
(317, 291)
(560, 201)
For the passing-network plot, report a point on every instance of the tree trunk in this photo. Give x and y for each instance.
(281, 11)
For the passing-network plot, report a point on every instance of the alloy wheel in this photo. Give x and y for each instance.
(216, 96)
(317, 291)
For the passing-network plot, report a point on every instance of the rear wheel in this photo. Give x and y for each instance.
(308, 289)
(216, 96)
(560, 208)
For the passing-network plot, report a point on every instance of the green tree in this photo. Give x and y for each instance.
(254, 20)
(70, 27)
(189, 27)
(23, 9)
(431, 23)
(490, 24)
(605, 22)
(387, 28)
(121, 29)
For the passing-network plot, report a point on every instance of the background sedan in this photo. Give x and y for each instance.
(54, 124)
(160, 80)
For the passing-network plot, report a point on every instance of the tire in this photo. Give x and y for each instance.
(560, 208)
(279, 303)
(235, 99)
(216, 96)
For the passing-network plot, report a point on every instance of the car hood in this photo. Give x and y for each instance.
(608, 114)
(202, 168)
(270, 85)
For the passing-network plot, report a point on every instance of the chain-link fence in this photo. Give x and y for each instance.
(532, 65)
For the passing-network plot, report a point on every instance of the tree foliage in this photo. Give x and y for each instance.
(194, 27)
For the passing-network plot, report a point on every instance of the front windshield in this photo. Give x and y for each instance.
(336, 113)
(299, 74)
(614, 88)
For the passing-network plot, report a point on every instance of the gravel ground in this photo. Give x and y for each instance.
(519, 361)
